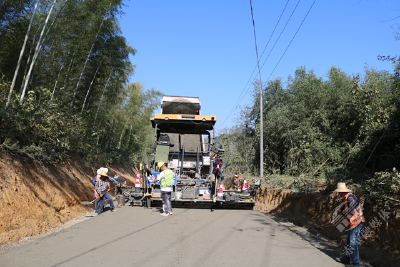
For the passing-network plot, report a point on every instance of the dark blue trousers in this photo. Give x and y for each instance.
(99, 202)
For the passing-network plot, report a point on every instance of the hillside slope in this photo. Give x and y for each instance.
(35, 199)
(382, 248)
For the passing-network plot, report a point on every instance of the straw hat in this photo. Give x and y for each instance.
(102, 171)
(341, 187)
(236, 176)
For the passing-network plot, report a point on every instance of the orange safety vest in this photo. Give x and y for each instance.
(236, 184)
(98, 184)
(358, 217)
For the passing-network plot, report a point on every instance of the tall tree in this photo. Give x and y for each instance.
(21, 54)
(36, 52)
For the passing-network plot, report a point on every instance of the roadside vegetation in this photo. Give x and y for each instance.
(320, 131)
(65, 85)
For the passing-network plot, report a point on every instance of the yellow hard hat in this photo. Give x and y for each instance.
(159, 165)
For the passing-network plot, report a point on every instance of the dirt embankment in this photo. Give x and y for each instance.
(310, 210)
(35, 199)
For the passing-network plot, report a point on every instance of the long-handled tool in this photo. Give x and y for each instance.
(313, 230)
(88, 202)
(91, 202)
(321, 226)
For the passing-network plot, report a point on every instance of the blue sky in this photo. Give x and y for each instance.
(206, 48)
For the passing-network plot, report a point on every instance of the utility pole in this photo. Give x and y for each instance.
(261, 133)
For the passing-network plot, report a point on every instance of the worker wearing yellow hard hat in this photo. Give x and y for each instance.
(166, 177)
(160, 164)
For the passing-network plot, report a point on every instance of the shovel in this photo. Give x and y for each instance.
(86, 203)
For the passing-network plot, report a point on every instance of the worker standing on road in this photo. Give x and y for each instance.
(166, 177)
(350, 214)
(102, 189)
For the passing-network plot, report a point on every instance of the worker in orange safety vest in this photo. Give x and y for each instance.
(102, 189)
(236, 182)
(350, 215)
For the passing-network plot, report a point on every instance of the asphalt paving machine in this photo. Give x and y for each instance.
(185, 140)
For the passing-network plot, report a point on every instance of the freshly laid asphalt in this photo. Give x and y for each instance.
(136, 236)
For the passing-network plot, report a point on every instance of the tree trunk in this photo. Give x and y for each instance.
(48, 31)
(36, 53)
(55, 85)
(26, 70)
(69, 68)
(130, 134)
(122, 134)
(30, 57)
(21, 54)
(111, 135)
(87, 59)
(102, 137)
(90, 85)
(101, 98)
(51, 26)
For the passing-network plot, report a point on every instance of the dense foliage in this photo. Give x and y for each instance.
(342, 128)
(64, 82)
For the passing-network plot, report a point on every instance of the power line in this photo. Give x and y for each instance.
(281, 33)
(255, 40)
(276, 43)
(246, 91)
(270, 37)
(261, 101)
(255, 67)
(274, 29)
(291, 40)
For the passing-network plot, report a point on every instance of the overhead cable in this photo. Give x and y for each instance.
(246, 91)
(255, 67)
(291, 40)
(274, 46)
(281, 33)
(261, 101)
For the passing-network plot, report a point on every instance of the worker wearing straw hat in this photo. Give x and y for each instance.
(102, 189)
(350, 215)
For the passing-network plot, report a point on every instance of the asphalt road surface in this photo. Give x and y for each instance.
(136, 236)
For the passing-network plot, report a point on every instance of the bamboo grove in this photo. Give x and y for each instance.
(64, 82)
(339, 128)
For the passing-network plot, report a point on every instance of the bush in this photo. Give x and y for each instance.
(39, 128)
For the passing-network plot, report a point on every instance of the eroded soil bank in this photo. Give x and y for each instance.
(311, 210)
(35, 199)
